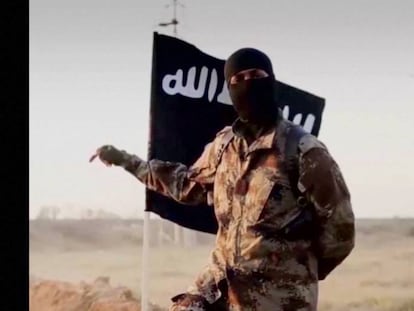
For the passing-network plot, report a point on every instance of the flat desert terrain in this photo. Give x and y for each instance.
(379, 274)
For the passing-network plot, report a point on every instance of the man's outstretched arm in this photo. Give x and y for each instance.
(188, 185)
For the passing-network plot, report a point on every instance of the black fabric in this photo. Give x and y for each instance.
(247, 58)
(255, 100)
(189, 105)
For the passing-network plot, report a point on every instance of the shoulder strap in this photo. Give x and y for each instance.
(293, 135)
(227, 138)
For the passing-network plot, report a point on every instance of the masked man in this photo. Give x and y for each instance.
(276, 238)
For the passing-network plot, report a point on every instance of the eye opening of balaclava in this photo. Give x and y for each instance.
(254, 99)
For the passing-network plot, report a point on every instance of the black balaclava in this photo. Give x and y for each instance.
(255, 99)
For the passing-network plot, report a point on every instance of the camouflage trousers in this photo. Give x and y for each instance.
(247, 293)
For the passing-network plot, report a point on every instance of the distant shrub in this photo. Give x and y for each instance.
(411, 232)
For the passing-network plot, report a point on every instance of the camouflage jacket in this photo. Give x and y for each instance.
(252, 198)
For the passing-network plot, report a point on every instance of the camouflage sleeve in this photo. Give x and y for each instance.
(322, 182)
(188, 185)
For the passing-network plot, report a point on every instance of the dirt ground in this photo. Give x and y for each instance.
(379, 275)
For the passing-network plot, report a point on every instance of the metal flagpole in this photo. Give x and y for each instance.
(145, 262)
(174, 22)
(146, 227)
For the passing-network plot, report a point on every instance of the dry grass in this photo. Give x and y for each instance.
(379, 275)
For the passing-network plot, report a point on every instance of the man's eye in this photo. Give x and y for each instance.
(258, 75)
(236, 79)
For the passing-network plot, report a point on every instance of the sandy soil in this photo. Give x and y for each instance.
(379, 275)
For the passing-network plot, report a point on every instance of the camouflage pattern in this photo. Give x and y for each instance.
(188, 302)
(191, 302)
(253, 200)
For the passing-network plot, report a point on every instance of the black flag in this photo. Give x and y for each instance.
(189, 105)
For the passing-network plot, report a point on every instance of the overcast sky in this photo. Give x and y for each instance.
(90, 63)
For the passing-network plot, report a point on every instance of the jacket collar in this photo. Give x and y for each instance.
(266, 136)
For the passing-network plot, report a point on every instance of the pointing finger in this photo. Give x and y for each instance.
(93, 157)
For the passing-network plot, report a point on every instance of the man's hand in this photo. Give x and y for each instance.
(109, 155)
(188, 301)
